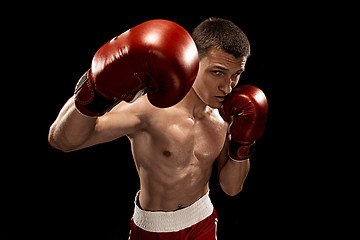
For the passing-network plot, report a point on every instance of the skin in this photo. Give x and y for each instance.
(174, 148)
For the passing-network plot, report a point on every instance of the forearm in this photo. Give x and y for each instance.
(70, 129)
(232, 176)
(247, 106)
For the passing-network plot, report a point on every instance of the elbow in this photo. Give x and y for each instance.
(231, 191)
(59, 146)
(51, 138)
(55, 143)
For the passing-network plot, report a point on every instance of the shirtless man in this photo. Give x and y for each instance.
(179, 128)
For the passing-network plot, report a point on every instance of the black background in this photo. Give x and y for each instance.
(89, 194)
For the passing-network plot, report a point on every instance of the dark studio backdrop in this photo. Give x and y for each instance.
(89, 194)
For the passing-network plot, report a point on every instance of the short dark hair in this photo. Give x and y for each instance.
(222, 34)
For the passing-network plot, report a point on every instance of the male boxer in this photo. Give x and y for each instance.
(175, 104)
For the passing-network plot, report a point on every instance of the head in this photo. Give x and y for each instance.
(223, 50)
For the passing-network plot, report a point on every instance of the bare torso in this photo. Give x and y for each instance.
(174, 155)
(174, 148)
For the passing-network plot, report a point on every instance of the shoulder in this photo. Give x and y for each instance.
(139, 113)
(141, 107)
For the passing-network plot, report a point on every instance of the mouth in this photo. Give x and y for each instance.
(220, 98)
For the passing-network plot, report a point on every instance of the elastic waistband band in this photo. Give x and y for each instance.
(176, 220)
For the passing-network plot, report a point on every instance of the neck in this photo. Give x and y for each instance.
(192, 104)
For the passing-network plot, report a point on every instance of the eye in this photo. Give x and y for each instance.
(236, 76)
(217, 73)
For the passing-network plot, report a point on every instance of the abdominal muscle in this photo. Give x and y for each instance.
(173, 190)
(169, 180)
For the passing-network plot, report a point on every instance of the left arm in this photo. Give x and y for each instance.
(247, 106)
(232, 174)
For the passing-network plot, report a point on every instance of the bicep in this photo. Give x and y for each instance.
(124, 119)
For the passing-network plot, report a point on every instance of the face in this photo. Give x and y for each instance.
(219, 72)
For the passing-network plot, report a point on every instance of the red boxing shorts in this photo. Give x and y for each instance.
(195, 222)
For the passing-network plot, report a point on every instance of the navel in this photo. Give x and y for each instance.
(166, 153)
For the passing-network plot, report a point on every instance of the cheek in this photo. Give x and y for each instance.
(202, 87)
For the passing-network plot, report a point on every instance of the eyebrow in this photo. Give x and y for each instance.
(220, 67)
(225, 69)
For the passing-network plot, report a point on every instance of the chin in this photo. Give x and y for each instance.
(215, 104)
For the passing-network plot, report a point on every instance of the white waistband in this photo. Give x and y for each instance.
(176, 220)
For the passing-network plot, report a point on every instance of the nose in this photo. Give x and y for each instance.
(226, 87)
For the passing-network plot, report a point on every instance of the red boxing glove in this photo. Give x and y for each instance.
(158, 57)
(249, 107)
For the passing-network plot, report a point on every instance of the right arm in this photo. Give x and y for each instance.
(72, 131)
(122, 70)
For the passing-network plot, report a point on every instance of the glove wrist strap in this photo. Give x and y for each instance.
(240, 152)
(88, 100)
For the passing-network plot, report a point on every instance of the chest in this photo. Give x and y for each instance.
(185, 138)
